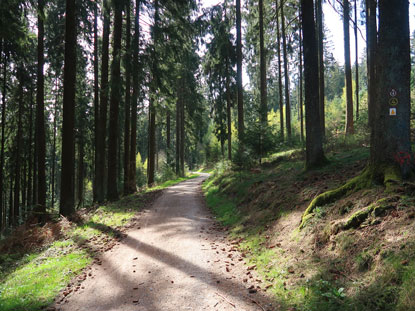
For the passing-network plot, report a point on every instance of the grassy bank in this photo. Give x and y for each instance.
(370, 267)
(36, 263)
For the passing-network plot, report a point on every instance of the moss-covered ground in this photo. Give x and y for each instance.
(355, 253)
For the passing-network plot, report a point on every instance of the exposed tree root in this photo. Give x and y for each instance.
(375, 210)
(388, 175)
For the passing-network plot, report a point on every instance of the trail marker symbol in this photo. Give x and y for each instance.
(393, 101)
(393, 93)
(392, 111)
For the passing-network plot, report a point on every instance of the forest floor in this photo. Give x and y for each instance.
(367, 266)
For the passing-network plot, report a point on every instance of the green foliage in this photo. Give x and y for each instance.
(259, 140)
(140, 171)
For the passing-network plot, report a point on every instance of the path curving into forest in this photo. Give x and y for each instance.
(174, 257)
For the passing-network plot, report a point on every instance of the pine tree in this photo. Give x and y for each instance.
(67, 197)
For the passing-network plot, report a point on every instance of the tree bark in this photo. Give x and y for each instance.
(314, 138)
(29, 194)
(127, 113)
(55, 117)
(286, 76)
(112, 185)
(96, 103)
(17, 158)
(241, 126)
(81, 173)
(301, 85)
(40, 118)
(391, 155)
(182, 134)
(357, 59)
(280, 70)
(67, 199)
(152, 109)
(348, 69)
(371, 35)
(3, 138)
(320, 34)
(134, 102)
(102, 126)
(263, 68)
(178, 130)
(228, 110)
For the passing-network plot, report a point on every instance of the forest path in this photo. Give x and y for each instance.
(174, 257)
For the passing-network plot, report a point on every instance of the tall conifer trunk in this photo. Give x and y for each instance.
(67, 195)
(3, 139)
(391, 156)
(103, 106)
(241, 126)
(96, 103)
(314, 138)
(263, 68)
(134, 102)
(280, 96)
(127, 112)
(152, 108)
(301, 84)
(348, 69)
(319, 19)
(112, 184)
(286, 76)
(357, 59)
(40, 117)
(371, 35)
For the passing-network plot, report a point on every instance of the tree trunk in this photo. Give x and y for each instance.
(152, 109)
(127, 138)
(371, 35)
(3, 138)
(301, 85)
(178, 136)
(102, 126)
(240, 99)
(348, 69)
(67, 199)
(228, 111)
(280, 71)
(263, 68)
(55, 118)
(96, 103)
(112, 185)
(357, 59)
(81, 173)
(314, 138)
(40, 118)
(18, 157)
(134, 103)
(286, 76)
(182, 133)
(320, 34)
(30, 159)
(11, 206)
(391, 155)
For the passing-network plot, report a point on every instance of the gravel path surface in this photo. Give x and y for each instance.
(174, 257)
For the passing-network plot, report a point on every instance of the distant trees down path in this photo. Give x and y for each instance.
(100, 98)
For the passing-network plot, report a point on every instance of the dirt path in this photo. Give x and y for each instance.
(174, 257)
